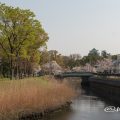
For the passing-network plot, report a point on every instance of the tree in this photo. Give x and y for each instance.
(84, 60)
(104, 65)
(93, 56)
(20, 35)
(44, 57)
(70, 62)
(52, 55)
(75, 56)
(114, 57)
(94, 52)
(104, 54)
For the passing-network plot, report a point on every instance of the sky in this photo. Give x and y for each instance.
(77, 26)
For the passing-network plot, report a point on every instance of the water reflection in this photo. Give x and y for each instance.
(86, 106)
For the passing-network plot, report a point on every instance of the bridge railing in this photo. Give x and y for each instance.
(107, 74)
(77, 73)
(82, 74)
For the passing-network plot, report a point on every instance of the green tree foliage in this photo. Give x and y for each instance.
(114, 57)
(44, 57)
(94, 52)
(104, 54)
(20, 35)
(84, 60)
(93, 56)
(74, 60)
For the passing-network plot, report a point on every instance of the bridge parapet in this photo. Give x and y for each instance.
(75, 74)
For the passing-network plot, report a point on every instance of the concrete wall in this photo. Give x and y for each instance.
(106, 88)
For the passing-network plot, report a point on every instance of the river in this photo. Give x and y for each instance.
(86, 106)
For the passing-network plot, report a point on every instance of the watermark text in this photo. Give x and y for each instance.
(112, 109)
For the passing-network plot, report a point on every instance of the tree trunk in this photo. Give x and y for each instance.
(17, 67)
(11, 69)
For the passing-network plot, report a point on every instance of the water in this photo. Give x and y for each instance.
(87, 106)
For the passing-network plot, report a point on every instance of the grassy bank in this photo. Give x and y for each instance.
(31, 95)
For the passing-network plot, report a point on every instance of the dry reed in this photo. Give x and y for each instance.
(31, 95)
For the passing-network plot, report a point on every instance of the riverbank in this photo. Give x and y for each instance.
(107, 88)
(33, 96)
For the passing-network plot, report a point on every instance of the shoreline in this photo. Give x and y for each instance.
(106, 88)
(46, 113)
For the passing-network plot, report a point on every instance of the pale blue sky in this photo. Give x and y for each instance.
(76, 26)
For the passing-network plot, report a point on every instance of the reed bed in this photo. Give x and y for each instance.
(31, 95)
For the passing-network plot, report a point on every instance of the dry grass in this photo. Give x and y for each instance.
(31, 95)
